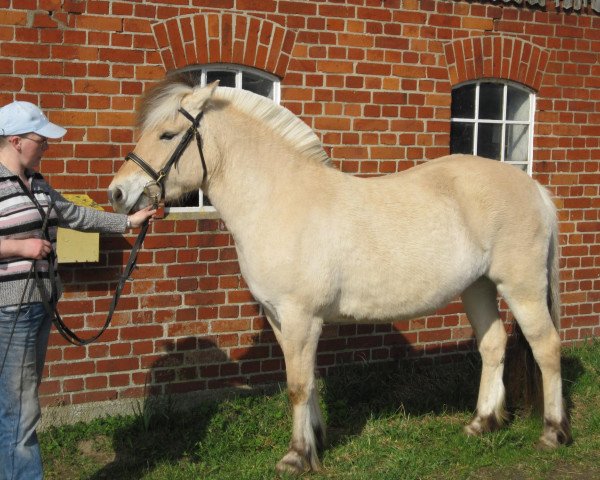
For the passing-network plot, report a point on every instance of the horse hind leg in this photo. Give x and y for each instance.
(298, 337)
(532, 314)
(481, 306)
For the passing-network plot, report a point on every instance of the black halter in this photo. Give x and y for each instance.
(158, 177)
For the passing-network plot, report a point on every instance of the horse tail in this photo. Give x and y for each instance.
(530, 390)
(553, 298)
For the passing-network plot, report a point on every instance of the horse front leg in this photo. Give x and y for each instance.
(298, 336)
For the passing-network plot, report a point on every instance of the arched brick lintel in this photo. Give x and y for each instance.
(508, 58)
(226, 38)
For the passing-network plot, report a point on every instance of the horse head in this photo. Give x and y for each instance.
(165, 163)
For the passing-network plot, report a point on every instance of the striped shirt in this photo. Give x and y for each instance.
(21, 218)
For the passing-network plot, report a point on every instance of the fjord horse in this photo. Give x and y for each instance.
(316, 245)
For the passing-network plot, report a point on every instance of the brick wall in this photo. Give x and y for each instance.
(371, 77)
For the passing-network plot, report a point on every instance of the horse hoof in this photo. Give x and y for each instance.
(555, 434)
(480, 425)
(472, 430)
(292, 463)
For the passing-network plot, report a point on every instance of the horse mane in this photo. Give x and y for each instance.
(164, 100)
(278, 118)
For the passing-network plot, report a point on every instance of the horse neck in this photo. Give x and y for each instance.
(253, 167)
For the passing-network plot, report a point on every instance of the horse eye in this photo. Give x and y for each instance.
(167, 136)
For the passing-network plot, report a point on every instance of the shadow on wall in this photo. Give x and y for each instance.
(351, 394)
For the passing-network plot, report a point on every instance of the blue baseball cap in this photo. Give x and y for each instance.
(20, 117)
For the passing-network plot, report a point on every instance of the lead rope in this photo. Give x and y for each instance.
(50, 304)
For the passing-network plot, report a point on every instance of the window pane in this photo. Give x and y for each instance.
(517, 137)
(517, 104)
(490, 101)
(488, 140)
(463, 102)
(256, 84)
(227, 79)
(461, 137)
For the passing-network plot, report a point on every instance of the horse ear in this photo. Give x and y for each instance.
(212, 86)
(201, 95)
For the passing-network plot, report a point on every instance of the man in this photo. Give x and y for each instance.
(26, 203)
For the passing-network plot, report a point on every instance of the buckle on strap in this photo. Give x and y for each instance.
(154, 191)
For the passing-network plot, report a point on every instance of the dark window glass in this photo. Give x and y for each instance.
(463, 102)
(188, 200)
(461, 137)
(490, 101)
(258, 85)
(489, 140)
(517, 104)
(490, 121)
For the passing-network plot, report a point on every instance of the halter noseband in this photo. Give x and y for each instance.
(158, 177)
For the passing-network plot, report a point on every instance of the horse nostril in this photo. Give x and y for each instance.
(117, 195)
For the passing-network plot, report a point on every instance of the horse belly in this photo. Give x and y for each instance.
(386, 290)
(390, 306)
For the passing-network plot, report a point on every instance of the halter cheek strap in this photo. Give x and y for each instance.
(196, 124)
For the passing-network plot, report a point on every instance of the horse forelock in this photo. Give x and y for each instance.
(163, 101)
(279, 119)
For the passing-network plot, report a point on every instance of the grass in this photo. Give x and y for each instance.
(384, 422)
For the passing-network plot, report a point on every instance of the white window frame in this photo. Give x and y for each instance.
(239, 70)
(530, 122)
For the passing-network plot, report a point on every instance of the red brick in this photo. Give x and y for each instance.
(102, 23)
(11, 17)
(71, 368)
(257, 5)
(229, 325)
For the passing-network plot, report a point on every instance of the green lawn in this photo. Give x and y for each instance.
(384, 422)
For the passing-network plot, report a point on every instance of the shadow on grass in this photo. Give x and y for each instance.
(139, 448)
(355, 394)
(161, 430)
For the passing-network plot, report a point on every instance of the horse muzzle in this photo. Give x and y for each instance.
(128, 198)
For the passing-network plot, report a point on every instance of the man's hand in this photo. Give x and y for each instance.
(34, 248)
(138, 218)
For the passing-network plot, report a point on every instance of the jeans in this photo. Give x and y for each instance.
(19, 381)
